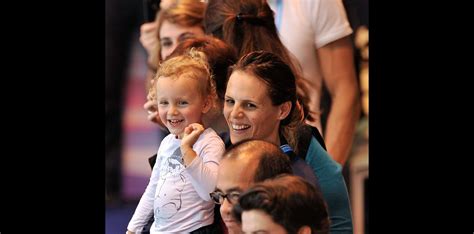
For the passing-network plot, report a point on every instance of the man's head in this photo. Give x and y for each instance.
(244, 164)
(285, 204)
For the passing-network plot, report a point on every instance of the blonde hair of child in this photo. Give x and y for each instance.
(192, 64)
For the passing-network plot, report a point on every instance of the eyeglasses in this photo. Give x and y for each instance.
(218, 197)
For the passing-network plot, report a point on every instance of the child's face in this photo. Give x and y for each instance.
(180, 103)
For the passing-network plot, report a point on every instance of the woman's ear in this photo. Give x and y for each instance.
(285, 109)
(304, 230)
(207, 104)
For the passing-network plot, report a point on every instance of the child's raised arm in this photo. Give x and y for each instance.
(190, 136)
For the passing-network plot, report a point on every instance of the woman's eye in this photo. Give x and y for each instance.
(166, 43)
(186, 36)
(229, 101)
(183, 103)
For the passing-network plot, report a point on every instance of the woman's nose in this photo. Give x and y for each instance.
(169, 51)
(236, 112)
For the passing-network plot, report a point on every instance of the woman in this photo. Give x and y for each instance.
(261, 103)
(180, 20)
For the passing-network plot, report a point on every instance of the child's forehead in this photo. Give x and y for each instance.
(181, 84)
(182, 80)
(183, 75)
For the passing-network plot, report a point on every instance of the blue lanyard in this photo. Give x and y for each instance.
(286, 148)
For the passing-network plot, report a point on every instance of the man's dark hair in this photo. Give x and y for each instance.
(290, 201)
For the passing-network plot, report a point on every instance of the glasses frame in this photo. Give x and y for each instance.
(223, 196)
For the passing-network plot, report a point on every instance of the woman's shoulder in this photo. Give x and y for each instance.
(313, 151)
(306, 134)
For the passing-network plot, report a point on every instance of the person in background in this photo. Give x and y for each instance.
(180, 19)
(281, 205)
(317, 33)
(188, 158)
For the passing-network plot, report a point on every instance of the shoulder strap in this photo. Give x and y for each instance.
(318, 136)
(306, 132)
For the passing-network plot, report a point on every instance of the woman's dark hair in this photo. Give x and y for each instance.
(281, 83)
(248, 25)
(291, 201)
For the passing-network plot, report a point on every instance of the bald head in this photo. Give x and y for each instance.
(265, 160)
(244, 164)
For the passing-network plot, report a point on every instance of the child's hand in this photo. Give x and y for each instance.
(191, 134)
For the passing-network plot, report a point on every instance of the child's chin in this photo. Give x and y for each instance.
(176, 132)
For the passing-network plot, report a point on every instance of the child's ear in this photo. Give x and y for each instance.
(207, 105)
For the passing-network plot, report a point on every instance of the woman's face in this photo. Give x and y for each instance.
(249, 111)
(172, 34)
(257, 221)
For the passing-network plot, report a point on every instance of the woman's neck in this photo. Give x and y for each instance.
(275, 139)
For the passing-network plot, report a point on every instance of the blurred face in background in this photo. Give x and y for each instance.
(172, 34)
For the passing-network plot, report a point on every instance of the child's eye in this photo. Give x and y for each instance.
(182, 103)
(163, 103)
